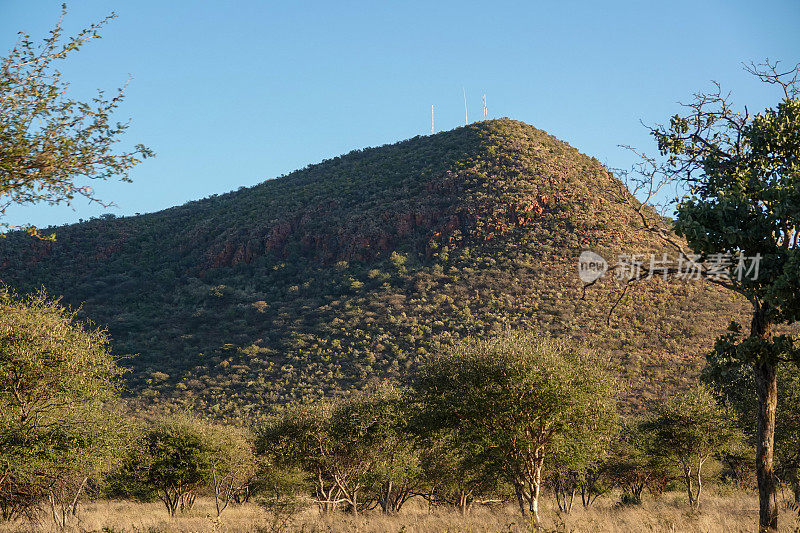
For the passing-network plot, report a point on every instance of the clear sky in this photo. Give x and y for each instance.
(233, 93)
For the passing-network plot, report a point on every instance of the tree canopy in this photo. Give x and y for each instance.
(513, 398)
(59, 422)
(690, 428)
(739, 211)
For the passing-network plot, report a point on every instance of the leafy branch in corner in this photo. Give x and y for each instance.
(51, 143)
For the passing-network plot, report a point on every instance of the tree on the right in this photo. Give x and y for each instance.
(738, 211)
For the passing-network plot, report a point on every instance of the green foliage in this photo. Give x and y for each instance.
(173, 459)
(514, 399)
(453, 473)
(176, 457)
(692, 425)
(59, 422)
(233, 464)
(580, 465)
(48, 142)
(787, 429)
(631, 463)
(690, 428)
(347, 447)
(735, 383)
(282, 495)
(743, 201)
(742, 173)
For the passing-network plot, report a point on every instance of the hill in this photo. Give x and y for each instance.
(358, 267)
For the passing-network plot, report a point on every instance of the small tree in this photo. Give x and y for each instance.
(280, 493)
(339, 443)
(58, 422)
(726, 375)
(454, 474)
(359, 429)
(577, 468)
(397, 475)
(296, 438)
(632, 466)
(174, 459)
(688, 429)
(511, 398)
(232, 462)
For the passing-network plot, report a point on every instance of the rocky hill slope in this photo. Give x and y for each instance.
(357, 268)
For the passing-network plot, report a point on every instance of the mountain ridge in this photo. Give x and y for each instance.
(357, 267)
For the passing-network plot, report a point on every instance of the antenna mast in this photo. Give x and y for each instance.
(484, 107)
(432, 130)
(466, 117)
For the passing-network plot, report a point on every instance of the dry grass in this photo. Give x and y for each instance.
(735, 512)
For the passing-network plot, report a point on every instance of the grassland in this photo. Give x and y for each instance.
(721, 512)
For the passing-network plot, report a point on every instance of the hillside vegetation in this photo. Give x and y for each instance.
(358, 268)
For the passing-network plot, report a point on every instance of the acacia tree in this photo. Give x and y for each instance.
(454, 474)
(343, 445)
(397, 475)
(739, 176)
(690, 428)
(232, 462)
(631, 465)
(295, 438)
(362, 430)
(58, 379)
(50, 143)
(509, 399)
(59, 425)
(577, 467)
(173, 458)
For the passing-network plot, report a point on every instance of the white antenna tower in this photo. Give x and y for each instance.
(484, 107)
(466, 117)
(432, 130)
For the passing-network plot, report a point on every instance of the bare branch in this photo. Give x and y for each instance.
(769, 72)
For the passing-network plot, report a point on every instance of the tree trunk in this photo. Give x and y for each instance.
(687, 478)
(767, 388)
(536, 488)
(216, 490)
(383, 498)
(60, 521)
(636, 490)
(78, 495)
(699, 484)
(170, 499)
(766, 380)
(520, 498)
(463, 502)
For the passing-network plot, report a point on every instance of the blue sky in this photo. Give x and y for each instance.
(233, 93)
